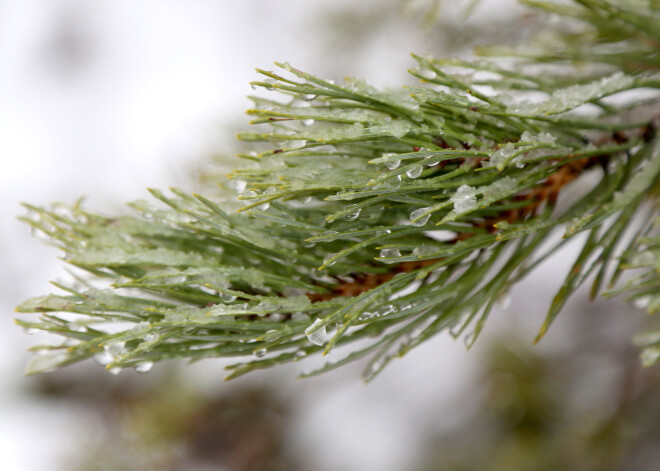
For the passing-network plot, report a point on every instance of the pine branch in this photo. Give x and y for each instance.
(373, 220)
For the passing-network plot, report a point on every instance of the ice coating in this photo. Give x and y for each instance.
(464, 199)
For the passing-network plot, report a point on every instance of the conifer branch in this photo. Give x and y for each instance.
(374, 220)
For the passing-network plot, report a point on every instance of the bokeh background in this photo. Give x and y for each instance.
(105, 98)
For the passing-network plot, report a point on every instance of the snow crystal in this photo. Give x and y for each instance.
(498, 158)
(464, 199)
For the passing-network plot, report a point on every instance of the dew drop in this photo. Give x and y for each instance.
(373, 369)
(260, 352)
(115, 349)
(389, 253)
(143, 366)
(424, 250)
(385, 310)
(150, 337)
(504, 300)
(414, 171)
(353, 215)
(327, 262)
(38, 233)
(366, 315)
(299, 355)
(308, 244)
(103, 358)
(77, 327)
(642, 302)
(309, 97)
(418, 218)
(264, 206)
(228, 298)
(239, 185)
(29, 330)
(392, 164)
(393, 183)
(114, 371)
(307, 122)
(318, 337)
(247, 194)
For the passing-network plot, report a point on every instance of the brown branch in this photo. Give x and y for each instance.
(545, 193)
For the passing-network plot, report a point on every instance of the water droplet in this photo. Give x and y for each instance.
(38, 233)
(103, 358)
(327, 262)
(299, 355)
(373, 369)
(247, 194)
(393, 183)
(115, 349)
(642, 302)
(277, 317)
(307, 122)
(414, 171)
(77, 327)
(353, 215)
(318, 337)
(114, 371)
(228, 298)
(426, 73)
(389, 253)
(143, 366)
(239, 185)
(253, 86)
(264, 206)
(306, 199)
(308, 244)
(309, 97)
(392, 164)
(366, 315)
(29, 330)
(385, 310)
(260, 352)
(418, 218)
(424, 250)
(504, 300)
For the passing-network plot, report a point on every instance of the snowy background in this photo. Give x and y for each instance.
(106, 98)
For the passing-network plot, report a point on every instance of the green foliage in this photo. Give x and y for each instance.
(332, 237)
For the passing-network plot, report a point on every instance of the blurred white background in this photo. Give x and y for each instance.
(106, 98)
